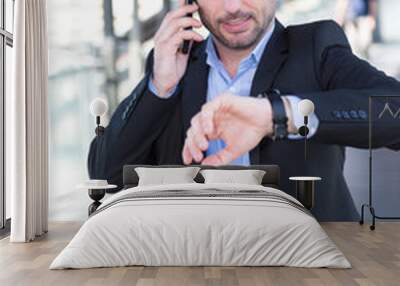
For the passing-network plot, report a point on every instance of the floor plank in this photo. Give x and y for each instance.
(375, 257)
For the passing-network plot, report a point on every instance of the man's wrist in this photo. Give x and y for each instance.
(268, 112)
(159, 90)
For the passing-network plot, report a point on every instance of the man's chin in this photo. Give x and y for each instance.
(238, 42)
(242, 40)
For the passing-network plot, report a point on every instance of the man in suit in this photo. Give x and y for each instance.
(236, 94)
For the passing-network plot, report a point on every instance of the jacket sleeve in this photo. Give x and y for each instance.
(347, 82)
(129, 137)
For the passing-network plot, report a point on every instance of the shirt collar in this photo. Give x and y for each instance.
(256, 54)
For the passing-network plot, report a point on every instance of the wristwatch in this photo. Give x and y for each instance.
(280, 119)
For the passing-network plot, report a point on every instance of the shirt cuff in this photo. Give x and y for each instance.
(298, 119)
(153, 89)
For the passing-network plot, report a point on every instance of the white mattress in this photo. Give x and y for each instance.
(200, 231)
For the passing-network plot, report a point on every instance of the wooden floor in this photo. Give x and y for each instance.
(375, 257)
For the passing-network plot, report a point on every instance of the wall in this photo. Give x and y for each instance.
(78, 59)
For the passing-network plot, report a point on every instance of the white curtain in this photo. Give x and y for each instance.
(27, 132)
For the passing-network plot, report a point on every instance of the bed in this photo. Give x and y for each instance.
(201, 224)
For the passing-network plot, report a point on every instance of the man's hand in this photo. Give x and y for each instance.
(169, 63)
(241, 122)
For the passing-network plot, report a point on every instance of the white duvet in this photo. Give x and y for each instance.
(205, 231)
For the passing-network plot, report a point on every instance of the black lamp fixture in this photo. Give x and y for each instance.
(306, 108)
(98, 108)
(305, 186)
(97, 187)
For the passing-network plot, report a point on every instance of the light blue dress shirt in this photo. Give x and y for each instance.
(219, 82)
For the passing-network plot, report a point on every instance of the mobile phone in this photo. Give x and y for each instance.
(186, 44)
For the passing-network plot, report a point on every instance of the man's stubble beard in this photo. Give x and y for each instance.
(256, 34)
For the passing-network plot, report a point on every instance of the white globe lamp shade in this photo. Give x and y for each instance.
(98, 107)
(306, 107)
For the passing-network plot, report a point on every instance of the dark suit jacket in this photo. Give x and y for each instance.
(312, 61)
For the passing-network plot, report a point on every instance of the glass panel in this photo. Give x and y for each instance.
(83, 64)
(123, 16)
(76, 76)
(10, 15)
(147, 9)
(1, 13)
(8, 77)
(300, 11)
(1, 136)
(389, 21)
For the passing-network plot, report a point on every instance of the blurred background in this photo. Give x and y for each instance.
(97, 48)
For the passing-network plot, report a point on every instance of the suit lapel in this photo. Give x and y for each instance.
(275, 54)
(271, 61)
(195, 85)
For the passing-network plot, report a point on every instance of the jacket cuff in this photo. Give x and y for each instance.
(153, 89)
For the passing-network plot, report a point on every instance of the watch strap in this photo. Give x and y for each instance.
(280, 119)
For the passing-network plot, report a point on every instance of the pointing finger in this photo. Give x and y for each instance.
(195, 152)
(198, 133)
(186, 156)
(223, 157)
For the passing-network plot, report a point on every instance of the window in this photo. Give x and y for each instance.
(6, 43)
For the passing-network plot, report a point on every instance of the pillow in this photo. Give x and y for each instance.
(248, 177)
(166, 176)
